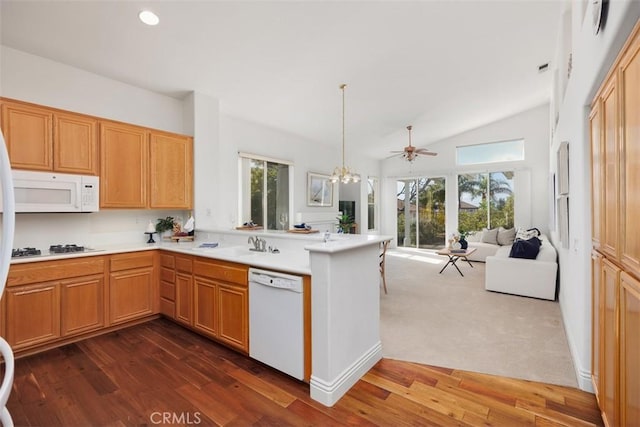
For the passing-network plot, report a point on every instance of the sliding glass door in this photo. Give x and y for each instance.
(421, 212)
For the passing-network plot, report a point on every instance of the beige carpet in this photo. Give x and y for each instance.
(452, 321)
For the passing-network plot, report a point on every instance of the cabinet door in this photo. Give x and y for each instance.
(611, 164)
(123, 166)
(205, 306)
(184, 298)
(131, 294)
(171, 171)
(33, 314)
(83, 304)
(596, 174)
(596, 325)
(233, 327)
(609, 368)
(630, 156)
(629, 351)
(75, 144)
(28, 132)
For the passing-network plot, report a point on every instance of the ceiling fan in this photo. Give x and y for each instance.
(409, 153)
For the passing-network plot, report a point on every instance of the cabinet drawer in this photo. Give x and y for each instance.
(37, 272)
(168, 261)
(233, 273)
(167, 290)
(167, 275)
(184, 264)
(131, 260)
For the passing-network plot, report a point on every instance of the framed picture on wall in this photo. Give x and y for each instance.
(563, 168)
(319, 190)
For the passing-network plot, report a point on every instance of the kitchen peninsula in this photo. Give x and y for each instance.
(344, 291)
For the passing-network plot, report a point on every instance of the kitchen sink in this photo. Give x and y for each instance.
(231, 251)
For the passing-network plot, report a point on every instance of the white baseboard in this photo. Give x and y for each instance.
(328, 393)
(583, 376)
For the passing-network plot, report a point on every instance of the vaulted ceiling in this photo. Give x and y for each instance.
(444, 66)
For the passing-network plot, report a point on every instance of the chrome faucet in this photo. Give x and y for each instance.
(259, 244)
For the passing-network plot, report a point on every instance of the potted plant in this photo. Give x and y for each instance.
(165, 224)
(345, 223)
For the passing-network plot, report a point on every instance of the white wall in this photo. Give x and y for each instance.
(532, 125)
(217, 140)
(39, 80)
(592, 56)
(35, 79)
(308, 156)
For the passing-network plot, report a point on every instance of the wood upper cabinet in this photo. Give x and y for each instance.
(28, 133)
(171, 171)
(41, 138)
(611, 170)
(629, 350)
(629, 83)
(33, 314)
(132, 287)
(75, 144)
(596, 174)
(123, 166)
(83, 304)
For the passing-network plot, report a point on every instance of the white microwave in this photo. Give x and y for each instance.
(55, 192)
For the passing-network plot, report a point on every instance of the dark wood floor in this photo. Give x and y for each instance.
(158, 373)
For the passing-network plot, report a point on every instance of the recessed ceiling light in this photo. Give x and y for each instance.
(149, 17)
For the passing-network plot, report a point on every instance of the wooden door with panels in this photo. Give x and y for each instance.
(609, 369)
(611, 168)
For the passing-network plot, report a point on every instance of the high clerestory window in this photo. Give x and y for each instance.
(491, 152)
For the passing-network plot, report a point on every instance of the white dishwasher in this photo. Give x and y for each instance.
(276, 323)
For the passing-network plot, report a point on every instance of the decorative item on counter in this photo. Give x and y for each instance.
(345, 223)
(151, 230)
(208, 245)
(164, 224)
(249, 225)
(189, 226)
(302, 229)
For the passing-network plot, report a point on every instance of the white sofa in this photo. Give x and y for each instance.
(483, 250)
(527, 277)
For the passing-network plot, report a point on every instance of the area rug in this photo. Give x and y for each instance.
(452, 321)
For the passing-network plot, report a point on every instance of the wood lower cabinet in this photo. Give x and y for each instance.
(33, 314)
(46, 301)
(83, 302)
(234, 315)
(609, 354)
(168, 285)
(205, 306)
(629, 350)
(132, 287)
(184, 298)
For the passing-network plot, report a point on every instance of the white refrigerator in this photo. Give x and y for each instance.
(6, 245)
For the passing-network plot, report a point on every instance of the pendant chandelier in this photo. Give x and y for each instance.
(343, 174)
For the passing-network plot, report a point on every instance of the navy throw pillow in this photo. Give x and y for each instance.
(527, 249)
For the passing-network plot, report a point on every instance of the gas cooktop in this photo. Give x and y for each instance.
(53, 250)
